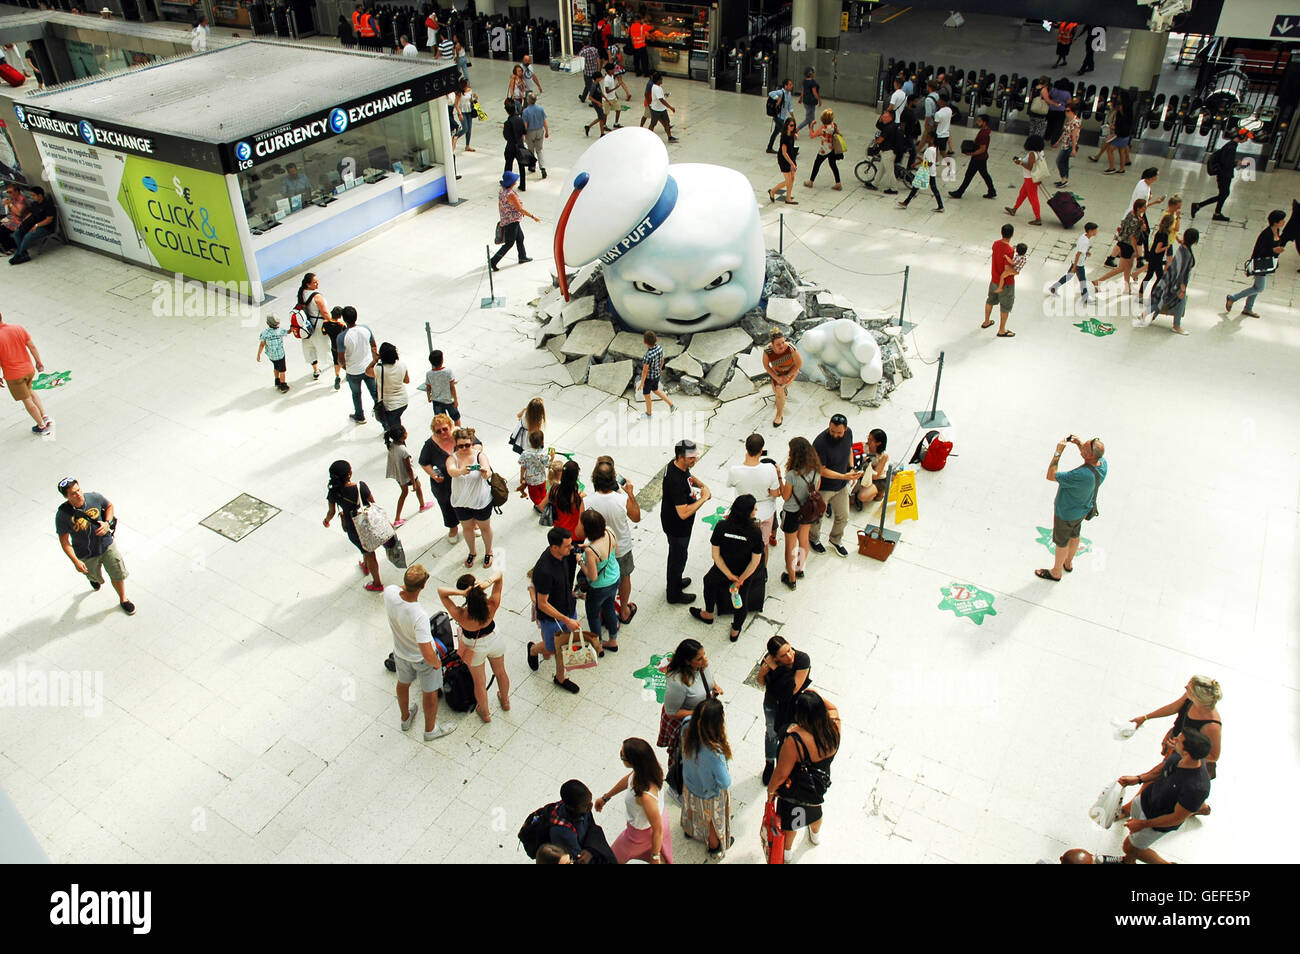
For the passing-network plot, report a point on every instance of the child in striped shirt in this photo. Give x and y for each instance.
(652, 363)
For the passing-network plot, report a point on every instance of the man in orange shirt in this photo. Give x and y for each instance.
(17, 371)
(640, 55)
(356, 21)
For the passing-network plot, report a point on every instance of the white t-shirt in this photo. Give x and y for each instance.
(1029, 173)
(930, 157)
(756, 480)
(410, 49)
(657, 99)
(356, 349)
(609, 87)
(409, 622)
(613, 507)
(898, 100)
(1081, 246)
(392, 379)
(942, 121)
(1140, 191)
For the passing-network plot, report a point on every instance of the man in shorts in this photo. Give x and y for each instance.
(609, 87)
(18, 369)
(1004, 273)
(552, 591)
(84, 523)
(414, 652)
(1172, 792)
(1076, 500)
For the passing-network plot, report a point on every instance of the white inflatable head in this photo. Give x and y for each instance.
(845, 347)
(681, 245)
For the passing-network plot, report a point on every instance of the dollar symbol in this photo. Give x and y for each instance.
(176, 184)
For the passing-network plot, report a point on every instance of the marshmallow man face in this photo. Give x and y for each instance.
(704, 267)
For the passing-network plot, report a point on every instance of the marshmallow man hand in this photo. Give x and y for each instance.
(845, 347)
(704, 267)
(681, 245)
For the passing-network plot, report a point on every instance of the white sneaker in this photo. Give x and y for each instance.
(410, 719)
(813, 837)
(439, 731)
(789, 858)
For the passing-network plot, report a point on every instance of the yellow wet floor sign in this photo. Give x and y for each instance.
(903, 494)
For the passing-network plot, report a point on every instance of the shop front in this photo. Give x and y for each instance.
(189, 175)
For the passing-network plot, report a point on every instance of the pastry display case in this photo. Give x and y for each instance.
(675, 31)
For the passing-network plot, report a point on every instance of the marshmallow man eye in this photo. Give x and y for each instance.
(648, 288)
(723, 279)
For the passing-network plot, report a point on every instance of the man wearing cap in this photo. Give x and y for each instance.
(677, 516)
(834, 446)
(84, 523)
(18, 369)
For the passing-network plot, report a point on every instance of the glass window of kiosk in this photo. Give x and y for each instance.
(400, 145)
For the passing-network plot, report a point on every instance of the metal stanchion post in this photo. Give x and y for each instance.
(781, 240)
(902, 322)
(492, 301)
(934, 417)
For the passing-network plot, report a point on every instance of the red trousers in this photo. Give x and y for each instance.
(1029, 190)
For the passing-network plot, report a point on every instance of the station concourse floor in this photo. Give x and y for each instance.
(246, 714)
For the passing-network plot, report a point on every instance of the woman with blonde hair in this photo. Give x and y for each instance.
(825, 130)
(801, 470)
(1194, 709)
(471, 491)
(433, 458)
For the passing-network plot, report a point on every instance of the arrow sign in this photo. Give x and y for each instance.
(1286, 27)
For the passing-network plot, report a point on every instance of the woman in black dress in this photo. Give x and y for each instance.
(785, 159)
(433, 458)
(346, 497)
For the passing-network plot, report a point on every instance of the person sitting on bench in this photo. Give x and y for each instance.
(37, 223)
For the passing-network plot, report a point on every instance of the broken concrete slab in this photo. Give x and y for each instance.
(588, 338)
(710, 347)
(685, 364)
(849, 387)
(578, 310)
(739, 386)
(690, 385)
(750, 364)
(556, 347)
(578, 369)
(612, 377)
(784, 311)
(627, 344)
(672, 347)
(717, 377)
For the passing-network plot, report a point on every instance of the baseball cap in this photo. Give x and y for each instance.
(65, 483)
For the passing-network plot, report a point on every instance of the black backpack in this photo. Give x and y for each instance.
(774, 99)
(536, 830)
(457, 683)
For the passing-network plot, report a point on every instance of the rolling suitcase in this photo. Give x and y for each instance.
(1066, 207)
(12, 76)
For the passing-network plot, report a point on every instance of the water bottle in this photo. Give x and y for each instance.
(736, 601)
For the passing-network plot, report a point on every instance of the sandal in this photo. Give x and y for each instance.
(624, 622)
(987, 324)
(791, 202)
(1047, 575)
(1006, 334)
(374, 588)
(1068, 569)
(487, 560)
(469, 560)
(770, 196)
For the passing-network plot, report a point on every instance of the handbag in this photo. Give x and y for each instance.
(577, 653)
(770, 837)
(922, 178)
(1264, 265)
(374, 529)
(812, 508)
(841, 146)
(395, 552)
(479, 112)
(1039, 173)
(517, 438)
(499, 236)
(547, 518)
(1037, 106)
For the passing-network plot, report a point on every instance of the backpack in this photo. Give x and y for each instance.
(774, 102)
(923, 446)
(457, 683)
(301, 324)
(500, 492)
(536, 829)
(937, 454)
(440, 630)
(1213, 164)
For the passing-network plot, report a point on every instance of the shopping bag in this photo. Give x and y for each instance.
(517, 438)
(395, 552)
(577, 653)
(770, 837)
(1106, 808)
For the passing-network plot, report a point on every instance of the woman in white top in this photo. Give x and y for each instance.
(312, 302)
(392, 377)
(1029, 187)
(479, 640)
(471, 492)
(648, 836)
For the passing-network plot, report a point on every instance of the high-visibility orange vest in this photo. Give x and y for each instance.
(637, 32)
(1066, 32)
(356, 21)
(367, 25)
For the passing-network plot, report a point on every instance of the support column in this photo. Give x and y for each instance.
(486, 7)
(518, 9)
(828, 24)
(803, 17)
(1143, 59)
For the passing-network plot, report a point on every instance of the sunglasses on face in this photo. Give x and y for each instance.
(464, 446)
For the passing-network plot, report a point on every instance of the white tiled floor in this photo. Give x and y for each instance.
(247, 717)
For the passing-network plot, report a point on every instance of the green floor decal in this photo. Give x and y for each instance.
(1099, 329)
(652, 676)
(968, 601)
(1045, 538)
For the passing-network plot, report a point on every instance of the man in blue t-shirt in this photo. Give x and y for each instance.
(1076, 499)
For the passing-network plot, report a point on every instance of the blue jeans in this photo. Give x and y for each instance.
(1063, 163)
(771, 741)
(466, 123)
(354, 382)
(1077, 272)
(30, 239)
(809, 114)
(600, 608)
(1251, 293)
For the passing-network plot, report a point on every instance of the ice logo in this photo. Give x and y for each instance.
(87, 132)
(21, 114)
(338, 120)
(243, 152)
(150, 183)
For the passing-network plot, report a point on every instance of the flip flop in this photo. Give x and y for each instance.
(987, 324)
(374, 588)
(1046, 575)
(1068, 569)
(469, 560)
(1006, 334)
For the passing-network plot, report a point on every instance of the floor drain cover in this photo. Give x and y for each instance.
(240, 517)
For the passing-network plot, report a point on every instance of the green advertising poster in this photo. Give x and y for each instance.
(183, 217)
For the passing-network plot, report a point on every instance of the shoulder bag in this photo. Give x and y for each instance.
(811, 510)
(1037, 105)
(1096, 487)
(1264, 265)
(808, 783)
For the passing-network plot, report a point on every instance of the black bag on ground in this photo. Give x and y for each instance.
(457, 683)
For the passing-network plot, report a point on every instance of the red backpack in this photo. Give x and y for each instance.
(937, 454)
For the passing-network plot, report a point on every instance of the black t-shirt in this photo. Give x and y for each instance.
(677, 490)
(80, 525)
(1123, 125)
(1227, 159)
(1176, 786)
(837, 455)
(38, 212)
(512, 130)
(1265, 244)
(737, 544)
(348, 501)
(333, 329)
(553, 578)
(778, 693)
(810, 89)
(908, 124)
